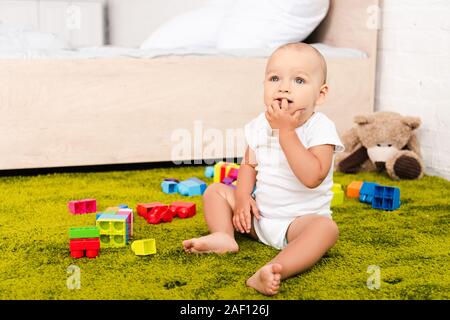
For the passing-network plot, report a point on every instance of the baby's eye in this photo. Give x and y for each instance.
(299, 81)
(274, 78)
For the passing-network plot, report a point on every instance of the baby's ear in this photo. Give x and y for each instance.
(362, 119)
(412, 122)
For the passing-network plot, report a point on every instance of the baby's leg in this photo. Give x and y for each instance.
(309, 238)
(218, 204)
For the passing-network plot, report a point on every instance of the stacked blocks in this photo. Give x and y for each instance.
(144, 247)
(222, 170)
(227, 173)
(113, 230)
(82, 206)
(84, 241)
(386, 198)
(157, 212)
(380, 197)
(338, 195)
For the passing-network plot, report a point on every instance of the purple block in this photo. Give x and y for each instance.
(227, 180)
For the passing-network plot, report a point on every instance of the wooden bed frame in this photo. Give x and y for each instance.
(58, 113)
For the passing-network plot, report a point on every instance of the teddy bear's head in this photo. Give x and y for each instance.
(385, 133)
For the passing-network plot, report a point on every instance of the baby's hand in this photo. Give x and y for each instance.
(242, 215)
(280, 117)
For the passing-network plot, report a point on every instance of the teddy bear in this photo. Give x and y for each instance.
(382, 141)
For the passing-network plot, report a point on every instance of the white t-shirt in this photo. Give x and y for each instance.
(279, 193)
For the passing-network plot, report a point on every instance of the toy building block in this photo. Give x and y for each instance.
(367, 191)
(169, 187)
(82, 206)
(191, 187)
(209, 172)
(227, 180)
(386, 198)
(172, 179)
(84, 232)
(113, 230)
(111, 210)
(221, 170)
(160, 214)
(200, 182)
(144, 247)
(338, 195)
(143, 209)
(182, 209)
(129, 214)
(233, 173)
(80, 247)
(353, 189)
(123, 206)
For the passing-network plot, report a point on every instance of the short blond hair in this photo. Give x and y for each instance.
(300, 46)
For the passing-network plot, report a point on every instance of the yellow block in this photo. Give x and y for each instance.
(338, 195)
(144, 247)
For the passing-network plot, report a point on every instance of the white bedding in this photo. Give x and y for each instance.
(123, 52)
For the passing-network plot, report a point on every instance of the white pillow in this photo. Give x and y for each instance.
(12, 38)
(270, 23)
(194, 30)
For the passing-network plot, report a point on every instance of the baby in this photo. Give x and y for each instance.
(290, 156)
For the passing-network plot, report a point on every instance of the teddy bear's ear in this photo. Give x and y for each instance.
(363, 119)
(412, 122)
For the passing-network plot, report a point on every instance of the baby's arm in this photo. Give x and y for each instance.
(311, 165)
(245, 204)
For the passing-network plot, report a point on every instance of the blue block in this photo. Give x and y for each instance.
(367, 191)
(123, 206)
(169, 187)
(189, 188)
(209, 172)
(200, 182)
(386, 198)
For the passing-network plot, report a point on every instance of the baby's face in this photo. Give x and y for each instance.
(295, 75)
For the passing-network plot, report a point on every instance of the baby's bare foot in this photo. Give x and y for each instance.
(267, 279)
(217, 242)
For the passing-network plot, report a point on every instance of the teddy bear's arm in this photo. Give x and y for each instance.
(353, 162)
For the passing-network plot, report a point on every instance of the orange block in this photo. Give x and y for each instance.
(353, 189)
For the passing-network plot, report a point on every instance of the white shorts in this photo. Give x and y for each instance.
(273, 232)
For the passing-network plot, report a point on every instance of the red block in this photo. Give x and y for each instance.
(79, 246)
(182, 209)
(159, 213)
(143, 209)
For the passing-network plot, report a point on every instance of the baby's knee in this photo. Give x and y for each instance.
(213, 188)
(328, 225)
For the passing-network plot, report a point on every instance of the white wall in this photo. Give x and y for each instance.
(413, 72)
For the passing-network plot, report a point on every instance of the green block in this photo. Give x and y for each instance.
(84, 232)
(338, 195)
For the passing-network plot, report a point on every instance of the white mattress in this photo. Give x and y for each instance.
(123, 52)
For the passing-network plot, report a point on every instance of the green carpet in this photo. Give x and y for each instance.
(410, 245)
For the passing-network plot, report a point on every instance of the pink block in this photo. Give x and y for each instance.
(130, 218)
(233, 173)
(82, 206)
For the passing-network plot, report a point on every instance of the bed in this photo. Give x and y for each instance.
(115, 105)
